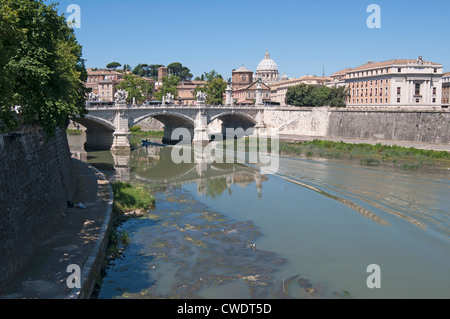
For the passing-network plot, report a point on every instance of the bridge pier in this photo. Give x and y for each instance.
(201, 135)
(121, 136)
(260, 127)
(121, 141)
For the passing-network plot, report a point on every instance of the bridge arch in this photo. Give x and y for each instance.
(99, 132)
(172, 119)
(235, 120)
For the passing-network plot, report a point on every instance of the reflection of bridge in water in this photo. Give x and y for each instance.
(153, 164)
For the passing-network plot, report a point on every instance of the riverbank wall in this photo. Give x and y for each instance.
(426, 125)
(36, 182)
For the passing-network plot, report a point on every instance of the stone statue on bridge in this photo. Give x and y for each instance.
(169, 98)
(201, 96)
(93, 96)
(121, 96)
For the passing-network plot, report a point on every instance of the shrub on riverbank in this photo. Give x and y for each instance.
(129, 197)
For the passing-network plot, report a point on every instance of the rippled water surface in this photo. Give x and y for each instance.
(310, 231)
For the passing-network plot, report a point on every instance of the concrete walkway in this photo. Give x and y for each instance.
(79, 239)
(418, 145)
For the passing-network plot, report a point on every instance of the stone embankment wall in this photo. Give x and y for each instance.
(36, 180)
(417, 125)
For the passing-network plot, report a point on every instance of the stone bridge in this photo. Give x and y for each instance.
(108, 125)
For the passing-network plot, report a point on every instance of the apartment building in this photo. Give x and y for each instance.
(394, 83)
(103, 83)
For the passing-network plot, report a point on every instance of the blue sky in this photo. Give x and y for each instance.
(302, 36)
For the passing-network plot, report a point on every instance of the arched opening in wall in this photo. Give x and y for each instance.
(171, 122)
(99, 135)
(236, 125)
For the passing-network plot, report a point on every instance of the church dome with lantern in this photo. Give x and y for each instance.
(267, 70)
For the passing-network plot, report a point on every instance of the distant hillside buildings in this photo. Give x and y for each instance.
(393, 83)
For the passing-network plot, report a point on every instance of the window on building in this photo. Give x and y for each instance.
(399, 70)
(434, 90)
(398, 100)
(399, 90)
(434, 100)
(417, 90)
(417, 100)
(435, 70)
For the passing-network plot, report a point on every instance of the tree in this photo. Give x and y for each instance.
(169, 85)
(42, 70)
(126, 67)
(141, 69)
(153, 70)
(178, 69)
(139, 89)
(113, 65)
(311, 95)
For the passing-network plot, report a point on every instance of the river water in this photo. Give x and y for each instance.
(309, 231)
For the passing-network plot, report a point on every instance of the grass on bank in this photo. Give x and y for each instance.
(368, 154)
(364, 153)
(137, 132)
(74, 132)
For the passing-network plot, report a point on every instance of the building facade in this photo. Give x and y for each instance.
(103, 83)
(186, 92)
(241, 77)
(393, 83)
(446, 89)
(244, 87)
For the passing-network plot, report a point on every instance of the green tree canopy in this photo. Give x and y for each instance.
(169, 85)
(178, 69)
(113, 65)
(137, 88)
(311, 95)
(41, 67)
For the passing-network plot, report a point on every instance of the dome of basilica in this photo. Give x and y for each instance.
(267, 69)
(267, 64)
